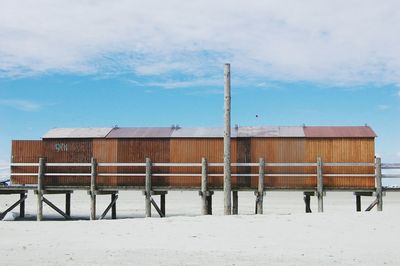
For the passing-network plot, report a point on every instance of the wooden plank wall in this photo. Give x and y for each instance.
(136, 151)
(281, 150)
(67, 151)
(25, 151)
(340, 150)
(191, 150)
(106, 151)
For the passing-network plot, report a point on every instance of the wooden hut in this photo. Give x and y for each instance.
(189, 145)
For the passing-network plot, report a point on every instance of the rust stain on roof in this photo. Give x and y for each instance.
(339, 132)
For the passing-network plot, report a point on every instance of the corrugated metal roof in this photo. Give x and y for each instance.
(201, 132)
(140, 132)
(167, 132)
(339, 132)
(59, 133)
(270, 132)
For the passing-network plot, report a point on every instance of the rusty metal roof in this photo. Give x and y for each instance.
(61, 133)
(339, 132)
(239, 132)
(140, 132)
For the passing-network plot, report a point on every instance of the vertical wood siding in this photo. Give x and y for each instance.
(191, 150)
(25, 151)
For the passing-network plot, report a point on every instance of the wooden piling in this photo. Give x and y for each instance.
(260, 190)
(114, 206)
(41, 174)
(148, 188)
(93, 187)
(307, 200)
(227, 140)
(378, 181)
(204, 187)
(162, 203)
(22, 205)
(235, 202)
(68, 204)
(209, 203)
(320, 185)
(358, 203)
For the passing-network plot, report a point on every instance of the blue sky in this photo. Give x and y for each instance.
(128, 63)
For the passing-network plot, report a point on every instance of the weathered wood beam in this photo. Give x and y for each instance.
(112, 203)
(41, 174)
(93, 187)
(260, 189)
(227, 140)
(54, 207)
(148, 188)
(21, 200)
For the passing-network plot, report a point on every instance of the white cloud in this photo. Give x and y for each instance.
(22, 105)
(336, 41)
(171, 84)
(383, 107)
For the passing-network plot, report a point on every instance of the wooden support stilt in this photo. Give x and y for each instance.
(235, 207)
(260, 190)
(378, 181)
(114, 206)
(358, 203)
(148, 188)
(68, 203)
(307, 200)
(22, 205)
(12, 207)
(209, 203)
(93, 187)
(41, 174)
(204, 187)
(156, 207)
(320, 185)
(375, 202)
(54, 207)
(112, 203)
(162, 203)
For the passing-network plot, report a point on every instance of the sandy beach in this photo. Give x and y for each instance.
(284, 235)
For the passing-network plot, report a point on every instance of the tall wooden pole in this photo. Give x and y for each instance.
(227, 140)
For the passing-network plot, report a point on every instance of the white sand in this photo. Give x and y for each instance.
(285, 235)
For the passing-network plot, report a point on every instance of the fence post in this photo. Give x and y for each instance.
(148, 188)
(320, 185)
(204, 188)
(93, 187)
(378, 178)
(41, 174)
(260, 191)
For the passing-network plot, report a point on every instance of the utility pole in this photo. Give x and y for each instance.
(227, 140)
